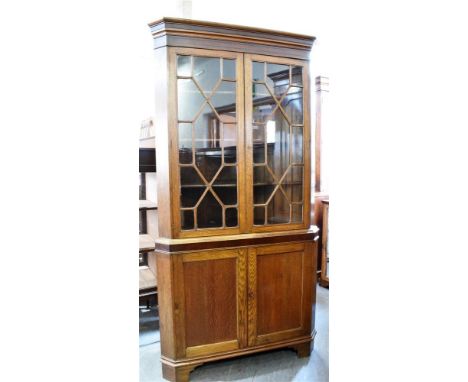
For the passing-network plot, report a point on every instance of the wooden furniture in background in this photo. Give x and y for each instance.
(236, 255)
(321, 191)
(148, 287)
(324, 274)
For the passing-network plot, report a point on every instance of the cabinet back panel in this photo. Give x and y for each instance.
(210, 301)
(279, 288)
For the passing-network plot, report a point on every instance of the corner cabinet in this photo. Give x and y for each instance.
(236, 254)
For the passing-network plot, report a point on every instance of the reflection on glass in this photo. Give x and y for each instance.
(277, 135)
(208, 138)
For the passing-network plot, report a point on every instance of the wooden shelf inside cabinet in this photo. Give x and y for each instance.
(146, 243)
(148, 205)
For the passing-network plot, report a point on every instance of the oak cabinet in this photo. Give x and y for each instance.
(236, 252)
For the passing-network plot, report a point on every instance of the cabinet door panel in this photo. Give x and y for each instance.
(213, 300)
(280, 290)
(278, 139)
(210, 301)
(279, 297)
(208, 147)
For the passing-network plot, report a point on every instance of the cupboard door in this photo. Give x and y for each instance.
(280, 285)
(212, 297)
(278, 141)
(209, 148)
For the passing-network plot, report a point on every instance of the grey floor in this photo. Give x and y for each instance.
(274, 366)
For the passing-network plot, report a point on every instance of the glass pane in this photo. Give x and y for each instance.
(258, 71)
(292, 105)
(227, 194)
(259, 137)
(229, 68)
(278, 144)
(186, 219)
(293, 184)
(263, 184)
(263, 103)
(229, 142)
(209, 212)
(231, 217)
(189, 195)
(227, 176)
(225, 185)
(206, 126)
(189, 100)
(189, 176)
(207, 139)
(259, 215)
(297, 145)
(296, 74)
(184, 66)
(185, 143)
(278, 209)
(224, 101)
(277, 78)
(296, 213)
(192, 187)
(207, 72)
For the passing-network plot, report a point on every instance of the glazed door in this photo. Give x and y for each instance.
(211, 301)
(280, 291)
(208, 141)
(278, 143)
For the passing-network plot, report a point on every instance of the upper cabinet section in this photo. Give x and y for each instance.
(175, 32)
(232, 129)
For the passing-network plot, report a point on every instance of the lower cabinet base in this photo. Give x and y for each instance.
(179, 371)
(235, 297)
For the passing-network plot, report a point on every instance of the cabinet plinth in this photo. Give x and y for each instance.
(236, 257)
